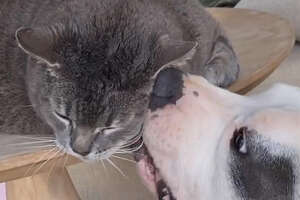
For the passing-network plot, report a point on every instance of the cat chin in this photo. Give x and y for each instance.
(97, 157)
(91, 157)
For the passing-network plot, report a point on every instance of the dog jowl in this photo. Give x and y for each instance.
(213, 144)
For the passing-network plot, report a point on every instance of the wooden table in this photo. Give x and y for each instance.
(262, 41)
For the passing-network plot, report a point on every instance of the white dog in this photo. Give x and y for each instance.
(208, 143)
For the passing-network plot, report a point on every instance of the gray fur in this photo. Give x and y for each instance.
(81, 66)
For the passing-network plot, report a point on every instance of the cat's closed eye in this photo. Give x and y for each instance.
(63, 118)
(106, 130)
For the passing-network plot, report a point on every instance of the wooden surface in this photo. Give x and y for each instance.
(45, 186)
(34, 163)
(261, 41)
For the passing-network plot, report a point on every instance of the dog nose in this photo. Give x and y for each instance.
(167, 88)
(82, 141)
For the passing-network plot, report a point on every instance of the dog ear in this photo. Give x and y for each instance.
(167, 89)
(174, 52)
(37, 42)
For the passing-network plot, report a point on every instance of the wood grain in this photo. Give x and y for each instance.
(45, 186)
(27, 165)
(261, 41)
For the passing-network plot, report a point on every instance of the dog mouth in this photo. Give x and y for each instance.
(151, 175)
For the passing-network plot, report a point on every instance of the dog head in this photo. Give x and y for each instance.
(208, 143)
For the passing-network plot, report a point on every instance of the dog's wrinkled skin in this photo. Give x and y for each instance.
(211, 144)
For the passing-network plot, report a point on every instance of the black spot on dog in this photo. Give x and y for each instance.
(167, 88)
(258, 175)
(196, 94)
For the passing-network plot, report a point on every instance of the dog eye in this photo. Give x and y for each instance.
(239, 140)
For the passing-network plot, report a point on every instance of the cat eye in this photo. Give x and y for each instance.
(106, 130)
(62, 117)
(239, 140)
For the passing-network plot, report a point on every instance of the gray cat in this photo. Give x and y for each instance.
(84, 69)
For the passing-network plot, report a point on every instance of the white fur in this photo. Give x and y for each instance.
(189, 141)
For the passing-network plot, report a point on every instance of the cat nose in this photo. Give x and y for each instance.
(82, 141)
(167, 88)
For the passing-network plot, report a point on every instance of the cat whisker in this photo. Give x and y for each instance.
(103, 165)
(126, 148)
(37, 137)
(120, 151)
(41, 165)
(39, 160)
(128, 153)
(30, 143)
(124, 152)
(66, 159)
(45, 162)
(137, 136)
(116, 167)
(130, 142)
(134, 148)
(55, 162)
(27, 106)
(130, 150)
(126, 159)
(92, 169)
(27, 148)
(37, 147)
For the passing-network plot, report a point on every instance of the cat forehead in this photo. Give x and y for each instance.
(104, 38)
(109, 57)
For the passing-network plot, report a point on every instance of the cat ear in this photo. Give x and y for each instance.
(37, 42)
(174, 52)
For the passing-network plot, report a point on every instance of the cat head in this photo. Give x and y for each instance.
(91, 84)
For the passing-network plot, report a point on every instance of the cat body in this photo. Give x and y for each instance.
(84, 69)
